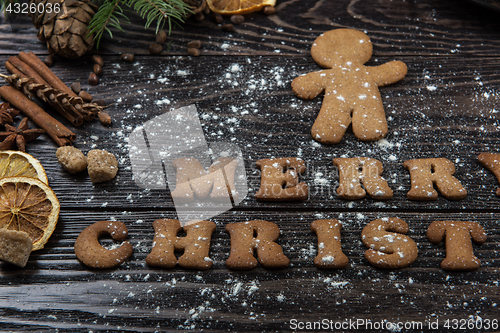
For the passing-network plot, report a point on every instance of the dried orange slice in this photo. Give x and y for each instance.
(27, 204)
(232, 7)
(14, 163)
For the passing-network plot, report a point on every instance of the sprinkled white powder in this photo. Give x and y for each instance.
(235, 68)
(181, 72)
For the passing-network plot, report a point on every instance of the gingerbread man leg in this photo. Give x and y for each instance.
(333, 120)
(368, 121)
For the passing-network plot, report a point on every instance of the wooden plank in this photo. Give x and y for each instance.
(424, 29)
(56, 291)
(443, 108)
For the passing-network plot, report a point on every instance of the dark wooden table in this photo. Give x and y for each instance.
(447, 106)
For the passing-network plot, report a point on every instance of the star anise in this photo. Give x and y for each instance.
(13, 137)
(7, 113)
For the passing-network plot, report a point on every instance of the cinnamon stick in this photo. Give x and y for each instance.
(39, 66)
(57, 99)
(12, 69)
(61, 135)
(25, 69)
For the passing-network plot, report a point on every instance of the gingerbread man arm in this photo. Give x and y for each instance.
(388, 73)
(309, 85)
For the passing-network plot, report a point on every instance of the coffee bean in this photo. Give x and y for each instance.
(269, 10)
(76, 87)
(217, 18)
(155, 48)
(128, 57)
(100, 102)
(194, 52)
(97, 69)
(195, 44)
(237, 19)
(198, 17)
(49, 60)
(228, 27)
(97, 59)
(104, 118)
(161, 37)
(93, 79)
(87, 98)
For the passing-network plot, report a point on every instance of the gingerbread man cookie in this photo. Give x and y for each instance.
(350, 87)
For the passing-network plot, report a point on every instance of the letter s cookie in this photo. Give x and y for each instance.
(389, 249)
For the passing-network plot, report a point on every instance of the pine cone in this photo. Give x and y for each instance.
(65, 32)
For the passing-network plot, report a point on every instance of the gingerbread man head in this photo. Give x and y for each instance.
(336, 47)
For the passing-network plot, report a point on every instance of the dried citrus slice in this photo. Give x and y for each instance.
(27, 204)
(14, 163)
(232, 7)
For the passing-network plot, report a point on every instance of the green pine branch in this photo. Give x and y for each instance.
(161, 11)
(112, 13)
(4, 4)
(108, 15)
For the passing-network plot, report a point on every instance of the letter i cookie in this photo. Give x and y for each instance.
(351, 89)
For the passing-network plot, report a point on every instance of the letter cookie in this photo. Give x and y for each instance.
(280, 179)
(196, 244)
(330, 253)
(243, 245)
(426, 172)
(192, 180)
(459, 252)
(366, 170)
(389, 249)
(492, 162)
(90, 252)
(350, 87)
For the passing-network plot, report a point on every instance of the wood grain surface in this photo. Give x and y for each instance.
(447, 106)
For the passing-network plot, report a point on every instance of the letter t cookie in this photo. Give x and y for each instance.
(351, 89)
